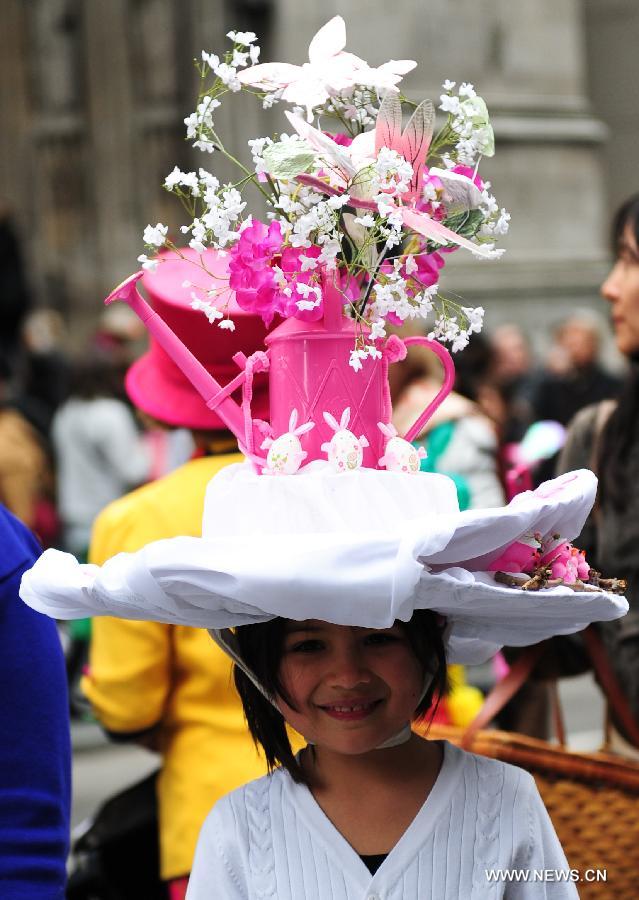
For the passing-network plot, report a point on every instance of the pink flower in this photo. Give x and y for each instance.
(344, 140)
(251, 273)
(567, 563)
(469, 172)
(428, 268)
(518, 557)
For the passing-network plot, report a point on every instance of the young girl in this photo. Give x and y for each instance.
(368, 809)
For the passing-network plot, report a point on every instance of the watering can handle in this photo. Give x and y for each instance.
(449, 380)
(214, 395)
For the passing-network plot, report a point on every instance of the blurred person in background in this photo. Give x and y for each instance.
(605, 437)
(44, 369)
(573, 376)
(15, 297)
(100, 455)
(515, 374)
(460, 439)
(166, 687)
(99, 451)
(35, 751)
(25, 476)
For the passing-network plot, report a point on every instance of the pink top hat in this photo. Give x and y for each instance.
(155, 384)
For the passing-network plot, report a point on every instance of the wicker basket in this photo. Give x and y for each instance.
(592, 799)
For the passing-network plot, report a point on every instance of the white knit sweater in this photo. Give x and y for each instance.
(270, 839)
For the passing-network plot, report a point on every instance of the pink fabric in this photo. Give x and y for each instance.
(177, 888)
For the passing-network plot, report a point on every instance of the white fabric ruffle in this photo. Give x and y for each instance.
(367, 576)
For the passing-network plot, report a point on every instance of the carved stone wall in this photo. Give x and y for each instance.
(612, 39)
(93, 96)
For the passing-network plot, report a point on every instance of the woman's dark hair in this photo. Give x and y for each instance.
(94, 374)
(622, 428)
(261, 647)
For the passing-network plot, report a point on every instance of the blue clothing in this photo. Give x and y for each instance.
(35, 746)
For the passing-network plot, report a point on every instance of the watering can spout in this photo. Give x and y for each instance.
(215, 396)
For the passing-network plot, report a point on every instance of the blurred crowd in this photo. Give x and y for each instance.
(75, 437)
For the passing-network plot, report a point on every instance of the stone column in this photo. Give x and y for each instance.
(109, 86)
(612, 39)
(14, 112)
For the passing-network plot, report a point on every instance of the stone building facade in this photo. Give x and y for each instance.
(92, 98)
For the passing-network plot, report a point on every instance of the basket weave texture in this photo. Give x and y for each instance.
(592, 799)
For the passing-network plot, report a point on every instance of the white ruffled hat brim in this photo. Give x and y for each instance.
(244, 572)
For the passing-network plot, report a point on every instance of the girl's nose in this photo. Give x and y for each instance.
(349, 671)
(611, 286)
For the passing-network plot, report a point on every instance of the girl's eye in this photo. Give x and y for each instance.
(379, 639)
(310, 645)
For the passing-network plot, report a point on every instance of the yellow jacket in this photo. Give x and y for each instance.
(144, 674)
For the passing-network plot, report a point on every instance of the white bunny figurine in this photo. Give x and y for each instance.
(399, 455)
(285, 454)
(345, 451)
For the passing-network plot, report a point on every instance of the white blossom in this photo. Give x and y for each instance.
(410, 264)
(243, 38)
(210, 59)
(177, 178)
(355, 359)
(154, 236)
(149, 264)
(227, 324)
(394, 172)
(366, 221)
(239, 59)
(378, 330)
(228, 76)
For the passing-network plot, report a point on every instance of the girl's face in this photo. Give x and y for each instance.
(621, 289)
(353, 688)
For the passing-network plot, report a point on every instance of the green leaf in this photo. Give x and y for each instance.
(288, 159)
(467, 224)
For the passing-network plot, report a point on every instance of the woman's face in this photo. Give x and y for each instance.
(353, 688)
(621, 290)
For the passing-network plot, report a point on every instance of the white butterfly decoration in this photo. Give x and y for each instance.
(412, 143)
(329, 71)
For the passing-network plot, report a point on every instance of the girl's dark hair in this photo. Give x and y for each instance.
(261, 647)
(622, 428)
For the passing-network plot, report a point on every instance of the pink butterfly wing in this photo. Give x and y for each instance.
(416, 141)
(388, 127)
(435, 231)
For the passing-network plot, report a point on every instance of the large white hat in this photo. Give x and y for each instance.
(364, 548)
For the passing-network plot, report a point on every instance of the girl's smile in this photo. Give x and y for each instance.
(348, 689)
(351, 710)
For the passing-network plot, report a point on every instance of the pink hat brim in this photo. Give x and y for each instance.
(173, 400)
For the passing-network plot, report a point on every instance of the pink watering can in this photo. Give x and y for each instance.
(309, 371)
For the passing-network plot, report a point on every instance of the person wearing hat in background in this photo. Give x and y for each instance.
(168, 687)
